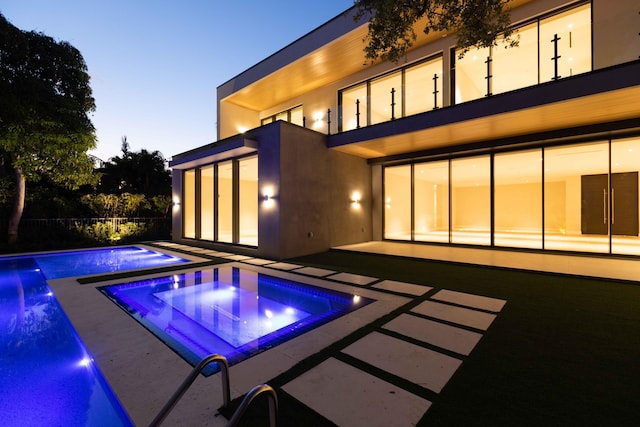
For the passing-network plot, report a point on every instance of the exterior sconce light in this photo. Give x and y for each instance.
(356, 198)
(268, 197)
(317, 120)
(176, 203)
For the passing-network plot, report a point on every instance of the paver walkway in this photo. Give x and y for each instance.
(390, 375)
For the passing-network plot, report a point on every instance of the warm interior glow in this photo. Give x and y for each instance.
(575, 204)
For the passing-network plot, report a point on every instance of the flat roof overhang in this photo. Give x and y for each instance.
(603, 96)
(327, 54)
(233, 147)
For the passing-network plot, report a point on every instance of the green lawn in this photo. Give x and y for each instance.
(564, 350)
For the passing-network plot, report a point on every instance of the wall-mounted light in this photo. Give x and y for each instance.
(176, 202)
(242, 129)
(356, 198)
(318, 120)
(268, 196)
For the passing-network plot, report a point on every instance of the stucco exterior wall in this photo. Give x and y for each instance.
(312, 210)
(616, 30)
(176, 198)
(269, 212)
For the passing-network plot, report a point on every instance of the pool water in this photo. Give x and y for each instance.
(47, 376)
(97, 261)
(228, 310)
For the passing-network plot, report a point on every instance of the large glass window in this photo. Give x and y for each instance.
(225, 202)
(248, 209)
(221, 202)
(296, 116)
(625, 166)
(576, 201)
(410, 90)
(189, 204)
(293, 115)
(423, 87)
(565, 40)
(397, 197)
(471, 200)
(550, 48)
(431, 204)
(386, 98)
(354, 107)
(518, 199)
(513, 68)
(471, 73)
(580, 197)
(207, 203)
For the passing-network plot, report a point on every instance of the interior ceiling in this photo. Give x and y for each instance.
(606, 107)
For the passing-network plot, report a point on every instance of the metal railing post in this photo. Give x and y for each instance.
(250, 397)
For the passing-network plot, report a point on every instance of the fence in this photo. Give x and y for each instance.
(152, 225)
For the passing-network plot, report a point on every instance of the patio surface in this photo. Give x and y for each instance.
(418, 356)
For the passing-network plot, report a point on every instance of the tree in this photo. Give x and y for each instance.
(45, 99)
(140, 172)
(391, 27)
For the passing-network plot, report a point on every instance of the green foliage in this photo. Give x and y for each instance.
(126, 205)
(161, 205)
(140, 172)
(106, 233)
(7, 189)
(46, 101)
(45, 128)
(392, 24)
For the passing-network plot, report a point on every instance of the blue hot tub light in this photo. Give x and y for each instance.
(228, 310)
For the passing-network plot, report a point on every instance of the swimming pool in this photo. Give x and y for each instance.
(47, 376)
(228, 310)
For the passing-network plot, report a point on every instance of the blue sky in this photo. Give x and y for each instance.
(155, 64)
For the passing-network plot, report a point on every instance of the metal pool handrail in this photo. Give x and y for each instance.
(250, 397)
(224, 376)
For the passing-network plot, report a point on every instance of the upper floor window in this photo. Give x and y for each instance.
(410, 90)
(293, 115)
(550, 48)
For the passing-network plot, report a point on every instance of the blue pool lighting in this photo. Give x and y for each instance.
(47, 377)
(98, 261)
(228, 310)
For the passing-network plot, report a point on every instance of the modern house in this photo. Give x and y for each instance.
(533, 148)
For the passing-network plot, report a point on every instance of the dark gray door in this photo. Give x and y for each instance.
(595, 202)
(624, 204)
(623, 213)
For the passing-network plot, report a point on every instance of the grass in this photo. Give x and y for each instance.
(565, 350)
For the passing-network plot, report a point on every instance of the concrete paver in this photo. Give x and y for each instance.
(351, 397)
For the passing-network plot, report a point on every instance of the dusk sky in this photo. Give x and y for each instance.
(155, 64)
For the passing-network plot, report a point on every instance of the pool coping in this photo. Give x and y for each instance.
(144, 372)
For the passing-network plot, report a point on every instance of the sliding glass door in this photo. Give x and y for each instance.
(221, 202)
(581, 197)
